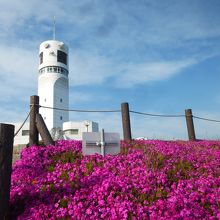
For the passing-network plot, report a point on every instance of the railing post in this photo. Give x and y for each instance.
(190, 125)
(42, 128)
(126, 121)
(33, 132)
(6, 151)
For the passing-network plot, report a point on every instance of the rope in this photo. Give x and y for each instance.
(135, 112)
(78, 110)
(24, 122)
(206, 119)
(156, 115)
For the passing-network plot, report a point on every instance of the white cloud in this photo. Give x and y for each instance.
(18, 72)
(14, 60)
(76, 97)
(88, 69)
(133, 74)
(13, 113)
(18, 78)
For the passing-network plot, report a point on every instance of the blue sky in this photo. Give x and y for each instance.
(160, 56)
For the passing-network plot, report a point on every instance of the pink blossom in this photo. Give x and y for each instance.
(147, 180)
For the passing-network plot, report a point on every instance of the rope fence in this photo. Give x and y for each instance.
(125, 112)
(80, 110)
(16, 133)
(206, 119)
(157, 115)
(131, 111)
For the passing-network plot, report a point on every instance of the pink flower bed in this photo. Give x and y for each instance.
(147, 180)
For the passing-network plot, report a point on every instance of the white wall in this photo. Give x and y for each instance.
(52, 87)
(69, 126)
(22, 138)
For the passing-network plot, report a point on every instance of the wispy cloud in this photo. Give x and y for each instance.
(91, 69)
(18, 72)
(87, 68)
(78, 97)
(133, 74)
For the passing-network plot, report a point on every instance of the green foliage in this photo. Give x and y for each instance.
(43, 188)
(89, 166)
(180, 170)
(50, 168)
(63, 203)
(124, 150)
(151, 197)
(156, 195)
(64, 175)
(67, 157)
(52, 187)
(130, 215)
(156, 160)
(72, 184)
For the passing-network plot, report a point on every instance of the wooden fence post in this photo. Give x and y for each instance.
(42, 128)
(190, 125)
(33, 133)
(126, 121)
(6, 151)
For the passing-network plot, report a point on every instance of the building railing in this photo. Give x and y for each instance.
(54, 69)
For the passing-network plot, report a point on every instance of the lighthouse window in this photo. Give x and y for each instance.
(41, 57)
(61, 57)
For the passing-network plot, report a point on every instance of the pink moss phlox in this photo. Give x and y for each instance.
(147, 180)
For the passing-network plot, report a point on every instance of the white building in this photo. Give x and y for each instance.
(74, 130)
(22, 138)
(71, 130)
(53, 83)
(53, 92)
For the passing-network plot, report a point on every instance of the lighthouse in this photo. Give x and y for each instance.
(53, 92)
(53, 83)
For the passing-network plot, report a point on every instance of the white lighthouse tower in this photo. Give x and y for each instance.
(53, 82)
